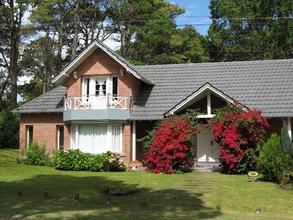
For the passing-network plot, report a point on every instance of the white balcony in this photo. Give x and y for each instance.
(97, 102)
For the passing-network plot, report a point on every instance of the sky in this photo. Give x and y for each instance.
(196, 12)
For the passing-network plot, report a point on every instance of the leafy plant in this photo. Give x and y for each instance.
(239, 134)
(35, 155)
(170, 149)
(287, 180)
(77, 160)
(272, 161)
(9, 127)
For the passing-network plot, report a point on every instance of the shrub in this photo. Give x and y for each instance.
(77, 160)
(170, 149)
(113, 162)
(239, 134)
(9, 127)
(272, 161)
(35, 155)
(287, 180)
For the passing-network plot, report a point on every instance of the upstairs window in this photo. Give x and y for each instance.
(115, 86)
(100, 87)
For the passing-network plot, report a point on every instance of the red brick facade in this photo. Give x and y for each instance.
(44, 130)
(45, 125)
(100, 63)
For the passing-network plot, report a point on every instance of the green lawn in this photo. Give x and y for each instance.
(180, 196)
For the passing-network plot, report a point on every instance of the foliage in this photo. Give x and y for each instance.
(113, 162)
(77, 160)
(239, 134)
(9, 127)
(35, 155)
(170, 149)
(287, 180)
(250, 30)
(272, 161)
(147, 140)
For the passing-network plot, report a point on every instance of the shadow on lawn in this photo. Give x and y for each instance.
(147, 204)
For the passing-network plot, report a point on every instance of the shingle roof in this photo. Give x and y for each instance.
(86, 52)
(51, 101)
(266, 85)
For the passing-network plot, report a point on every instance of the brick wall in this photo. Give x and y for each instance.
(44, 130)
(100, 63)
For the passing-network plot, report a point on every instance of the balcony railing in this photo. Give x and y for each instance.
(97, 102)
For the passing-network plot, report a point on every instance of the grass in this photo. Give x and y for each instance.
(179, 196)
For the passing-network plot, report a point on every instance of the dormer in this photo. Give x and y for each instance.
(99, 79)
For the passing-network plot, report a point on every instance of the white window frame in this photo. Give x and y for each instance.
(92, 84)
(27, 127)
(74, 144)
(58, 136)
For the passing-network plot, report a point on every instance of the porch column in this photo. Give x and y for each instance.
(209, 105)
(289, 128)
(133, 140)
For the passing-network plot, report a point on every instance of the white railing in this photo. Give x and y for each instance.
(97, 102)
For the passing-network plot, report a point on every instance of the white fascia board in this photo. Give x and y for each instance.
(197, 93)
(85, 54)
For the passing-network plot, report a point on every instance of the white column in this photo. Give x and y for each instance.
(133, 140)
(289, 128)
(209, 105)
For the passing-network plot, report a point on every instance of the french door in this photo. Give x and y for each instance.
(99, 90)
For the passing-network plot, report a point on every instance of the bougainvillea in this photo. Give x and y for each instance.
(170, 149)
(239, 133)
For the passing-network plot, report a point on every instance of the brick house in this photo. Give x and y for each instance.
(103, 103)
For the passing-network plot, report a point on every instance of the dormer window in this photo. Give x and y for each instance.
(100, 86)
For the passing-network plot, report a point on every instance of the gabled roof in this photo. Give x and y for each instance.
(65, 72)
(51, 101)
(266, 85)
(188, 100)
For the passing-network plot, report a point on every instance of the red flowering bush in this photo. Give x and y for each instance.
(239, 133)
(170, 148)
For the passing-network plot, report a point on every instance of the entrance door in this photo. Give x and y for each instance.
(207, 148)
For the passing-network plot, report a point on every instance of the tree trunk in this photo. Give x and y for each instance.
(14, 53)
(76, 31)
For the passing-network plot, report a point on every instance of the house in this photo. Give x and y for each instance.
(103, 103)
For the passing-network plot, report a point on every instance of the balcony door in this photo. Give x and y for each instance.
(98, 90)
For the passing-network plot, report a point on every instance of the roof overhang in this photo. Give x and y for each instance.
(86, 53)
(187, 101)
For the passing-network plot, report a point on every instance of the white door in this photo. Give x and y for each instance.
(207, 148)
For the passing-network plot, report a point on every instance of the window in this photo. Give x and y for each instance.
(115, 86)
(60, 137)
(97, 138)
(29, 135)
(100, 87)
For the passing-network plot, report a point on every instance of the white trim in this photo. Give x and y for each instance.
(206, 116)
(86, 53)
(186, 102)
(58, 138)
(289, 127)
(133, 140)
(209, 105)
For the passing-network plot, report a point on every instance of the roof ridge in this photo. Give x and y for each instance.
(214, 63)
